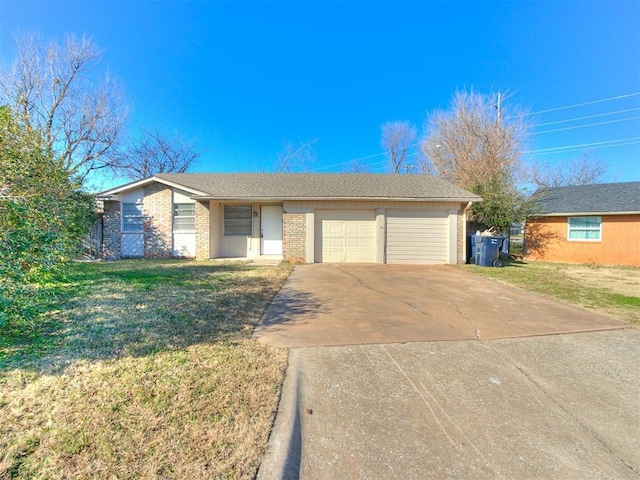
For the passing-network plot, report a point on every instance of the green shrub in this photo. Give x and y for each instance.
(43, 214)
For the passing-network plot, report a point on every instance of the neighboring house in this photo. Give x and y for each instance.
(586, 224)
(303, 218)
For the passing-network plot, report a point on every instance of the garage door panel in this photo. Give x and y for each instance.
(417, 237)
(369, 244)
(335, 229)
(334, 242)
(345, 236)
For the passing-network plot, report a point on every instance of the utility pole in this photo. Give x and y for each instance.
(499, 120)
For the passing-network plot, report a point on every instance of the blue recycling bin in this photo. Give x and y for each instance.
(488, 250)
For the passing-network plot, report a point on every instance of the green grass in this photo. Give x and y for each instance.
(142, 369)
(584, 285)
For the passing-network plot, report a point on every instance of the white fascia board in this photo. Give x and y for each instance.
(147, 181)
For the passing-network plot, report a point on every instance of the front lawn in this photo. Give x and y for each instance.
(142, 369)
(613, 291)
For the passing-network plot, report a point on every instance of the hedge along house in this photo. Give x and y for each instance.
(302, 218)
(586, 224)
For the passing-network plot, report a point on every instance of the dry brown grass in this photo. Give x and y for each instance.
(609, 290)
(152, 375)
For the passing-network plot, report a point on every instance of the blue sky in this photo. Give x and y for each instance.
(241, 77)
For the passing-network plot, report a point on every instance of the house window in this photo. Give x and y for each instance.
(132, 218)
(585, 228)
(184, 217)
(237, 220)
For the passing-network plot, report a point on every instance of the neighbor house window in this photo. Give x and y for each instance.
(132, 218)
(184, 217)
(237, 220)
(585, 228)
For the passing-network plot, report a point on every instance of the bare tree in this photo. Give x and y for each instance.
(477, 144)
(153, 152)
(584, 170)
(296, 157)
(356, 166)
(55, 89)
(397, 140)
(474, 141)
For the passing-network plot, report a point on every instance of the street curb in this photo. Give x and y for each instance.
(282, 458)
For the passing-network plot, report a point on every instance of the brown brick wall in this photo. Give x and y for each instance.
(546, 239)
(158, 211)
(294, 236)
(203, 243)
(111, 231)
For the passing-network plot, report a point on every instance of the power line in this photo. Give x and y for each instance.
(588, 125)
(351, 161)
(619, 97)
(363, 158)
(632, 140)
(585, 117)
(636, 142)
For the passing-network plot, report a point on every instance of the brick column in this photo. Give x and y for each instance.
(203, 229)
(158, 211)
(294, 237)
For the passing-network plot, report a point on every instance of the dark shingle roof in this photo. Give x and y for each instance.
(601, 198)
(288, 186)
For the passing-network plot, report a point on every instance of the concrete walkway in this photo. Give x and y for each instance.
(322, 305)
(556, 407)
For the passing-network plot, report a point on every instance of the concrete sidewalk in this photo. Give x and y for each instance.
(560, 407)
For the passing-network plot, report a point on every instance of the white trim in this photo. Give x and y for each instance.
(148, 181)
(590, 240)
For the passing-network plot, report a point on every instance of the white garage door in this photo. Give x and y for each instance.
(417, 237)
(345, 236)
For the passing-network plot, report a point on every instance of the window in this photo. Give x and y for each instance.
(585, 228)
(132, 219)
(237, 219)
(184, 217)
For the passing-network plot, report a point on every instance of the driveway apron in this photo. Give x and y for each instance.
(561, 407)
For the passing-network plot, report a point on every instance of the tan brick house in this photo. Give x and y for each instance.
(597, 224)
(304, 218)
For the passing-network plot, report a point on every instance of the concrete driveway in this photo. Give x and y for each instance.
(322, 305)
(393, 401)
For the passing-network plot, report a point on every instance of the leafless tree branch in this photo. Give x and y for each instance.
(584, 170)
(296, 157)
(397, 140)
(152, 152)
(357, 166)
(56, 89)
(473, 142)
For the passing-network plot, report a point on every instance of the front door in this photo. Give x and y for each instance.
(271, 230)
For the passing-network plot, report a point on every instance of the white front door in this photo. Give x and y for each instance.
(271, 230)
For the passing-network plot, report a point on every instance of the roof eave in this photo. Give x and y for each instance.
(281, 199)
(144, 182)
(568, 214)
